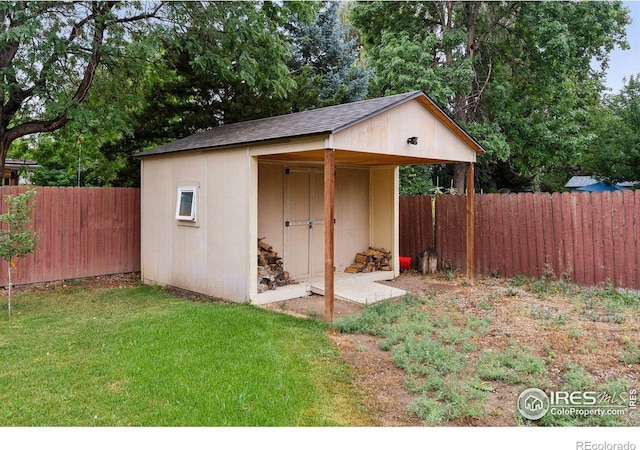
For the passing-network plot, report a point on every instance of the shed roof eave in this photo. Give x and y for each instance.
(291, 151)
(250, 143)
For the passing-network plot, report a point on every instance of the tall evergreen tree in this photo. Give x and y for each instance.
(325, 62)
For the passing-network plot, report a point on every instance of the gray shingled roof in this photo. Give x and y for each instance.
(306, 123)
(582, 181)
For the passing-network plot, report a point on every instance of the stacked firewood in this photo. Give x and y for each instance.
(271, 273)
(370, 260)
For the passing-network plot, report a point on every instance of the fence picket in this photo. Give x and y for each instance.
(598, 219)
(630, 249)
(618, 238)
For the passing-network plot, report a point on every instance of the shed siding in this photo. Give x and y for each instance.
(384, 187)
(229, 225)
(271, 204)
(156, 199)
(211, 257)
(387, 134)
(352, 214)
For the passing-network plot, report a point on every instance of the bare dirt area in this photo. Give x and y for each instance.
(380, 380)
(375, 374)
(562, 327)
(100, 282)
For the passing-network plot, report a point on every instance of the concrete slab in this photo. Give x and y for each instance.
(359, 290)
(357, 287)
(283, 293)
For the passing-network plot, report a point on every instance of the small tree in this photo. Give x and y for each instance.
(17, 237)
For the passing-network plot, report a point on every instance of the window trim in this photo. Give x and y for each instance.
(185, 189)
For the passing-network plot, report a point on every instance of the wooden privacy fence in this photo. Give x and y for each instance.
(416, 224)
(591, 238)
(84, 232)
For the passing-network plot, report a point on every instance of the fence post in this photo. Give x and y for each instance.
(470, 224)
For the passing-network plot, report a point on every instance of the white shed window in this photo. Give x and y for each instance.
(186, 204)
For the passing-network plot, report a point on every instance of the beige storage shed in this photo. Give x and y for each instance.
(208, 198)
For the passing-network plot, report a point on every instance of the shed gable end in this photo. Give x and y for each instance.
(389, 133)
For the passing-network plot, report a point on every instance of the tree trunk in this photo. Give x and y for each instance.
(9, 296)
(4, 148)
(459, 172)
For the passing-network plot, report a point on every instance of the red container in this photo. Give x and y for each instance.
(405, 263)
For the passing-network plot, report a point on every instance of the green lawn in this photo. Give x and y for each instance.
(142, 357)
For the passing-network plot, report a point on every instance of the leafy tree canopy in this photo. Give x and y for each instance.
(49, 55)
(114, 78)
(205, 64)
(517, 75)
(615, 155)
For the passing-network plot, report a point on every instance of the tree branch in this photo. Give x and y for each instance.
(43, 126)
(35, 126)
(495, 23)
(9, 52)
(142, 16)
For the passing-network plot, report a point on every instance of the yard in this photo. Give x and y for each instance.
(452, 354)
(118, 354)
(111, 352)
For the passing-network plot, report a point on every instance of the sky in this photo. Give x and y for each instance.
(626, 62)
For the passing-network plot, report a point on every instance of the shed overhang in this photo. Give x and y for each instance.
(352, 158)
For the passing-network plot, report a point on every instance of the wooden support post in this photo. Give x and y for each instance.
(470, 224)
(329, 210)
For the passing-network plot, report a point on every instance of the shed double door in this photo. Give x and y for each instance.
(304, 221)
